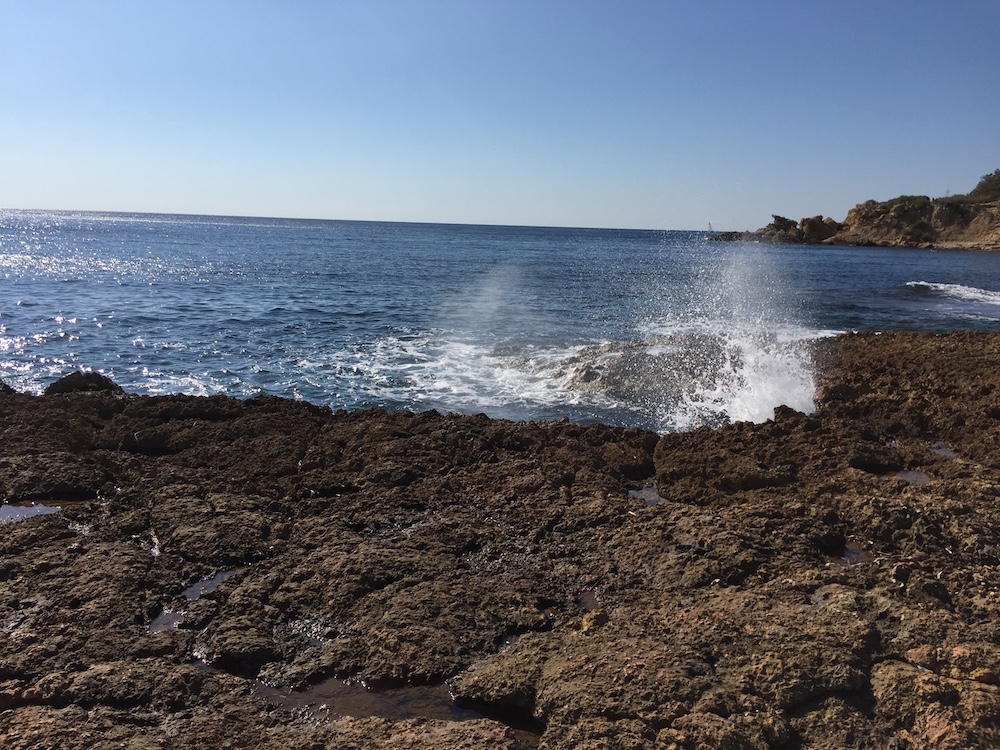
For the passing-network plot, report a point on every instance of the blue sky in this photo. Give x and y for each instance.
(618, 114)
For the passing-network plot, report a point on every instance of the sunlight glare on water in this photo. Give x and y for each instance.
(657, 329)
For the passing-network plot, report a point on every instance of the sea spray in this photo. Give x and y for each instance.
(653, 329)
(759, 374)
(955, 291)
(685, 380)
(763, 358)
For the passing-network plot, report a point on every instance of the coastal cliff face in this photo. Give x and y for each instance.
(921, 222)
(824, 580)
(966, 221)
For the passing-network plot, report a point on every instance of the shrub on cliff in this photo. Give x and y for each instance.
(911, 201)
(920, 233)
(987, 190)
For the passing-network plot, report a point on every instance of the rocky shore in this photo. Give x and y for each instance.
(958, 222)
(215, 573)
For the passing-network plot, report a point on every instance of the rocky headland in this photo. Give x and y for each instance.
(969, 221)
(213, 573)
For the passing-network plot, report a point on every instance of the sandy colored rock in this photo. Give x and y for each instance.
(969, 221)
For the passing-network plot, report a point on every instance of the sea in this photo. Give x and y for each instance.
(664, 330)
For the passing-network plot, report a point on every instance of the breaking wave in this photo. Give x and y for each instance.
(664, 382)
(955, 291)
(682, 382)
(655, 329)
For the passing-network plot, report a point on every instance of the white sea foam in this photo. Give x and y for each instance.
(727, 354)
(159, 382)
(744, 352)
(669, 382)
(958, 291)
(454, 374)
(760, 372)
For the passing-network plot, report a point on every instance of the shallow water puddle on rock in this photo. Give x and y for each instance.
(208, 585)
(20, 511)
(938, 448)
(853, 554)
(201, 665)
(913, 477)
(171, 618)
(336, 698)
(587, 600)
(167, 619)
(647, 493)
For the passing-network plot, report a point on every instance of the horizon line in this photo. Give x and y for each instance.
(358, 221)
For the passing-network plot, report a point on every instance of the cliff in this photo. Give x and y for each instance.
(961, 221)
(917, 221)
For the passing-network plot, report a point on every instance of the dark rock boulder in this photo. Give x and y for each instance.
(817, 229)
(76, 382)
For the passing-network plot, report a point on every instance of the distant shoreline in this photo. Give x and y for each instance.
(959, 222)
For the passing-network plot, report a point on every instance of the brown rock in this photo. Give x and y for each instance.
(593, 620)
(923, 656)
(817, 229)
(785, 591)
(77, 382)
(971, 221)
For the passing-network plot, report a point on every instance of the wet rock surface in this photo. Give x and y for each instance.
(790, 587)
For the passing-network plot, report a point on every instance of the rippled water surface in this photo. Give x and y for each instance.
(659, 329)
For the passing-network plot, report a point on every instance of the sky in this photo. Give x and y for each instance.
(631, 113)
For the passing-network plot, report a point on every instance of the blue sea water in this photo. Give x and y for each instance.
(660, 329)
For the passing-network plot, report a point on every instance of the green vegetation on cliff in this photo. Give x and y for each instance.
(987, 191)
(915, 201)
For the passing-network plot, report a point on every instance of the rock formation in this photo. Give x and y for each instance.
(965, 221)
(825, 580)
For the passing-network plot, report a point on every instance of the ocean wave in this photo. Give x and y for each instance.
(158, 383)
(667, 383)
(955, 291)
(430, 370)
(706, 378)
(759, 373)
